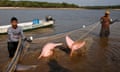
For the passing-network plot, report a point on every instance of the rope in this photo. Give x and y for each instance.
(90, 30)
(68, 33)
(12, 65)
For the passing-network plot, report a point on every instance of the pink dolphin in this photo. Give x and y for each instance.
(47, 50)
(74, 45)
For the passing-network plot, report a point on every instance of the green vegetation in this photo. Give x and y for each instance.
(102, 7)
(8, 3)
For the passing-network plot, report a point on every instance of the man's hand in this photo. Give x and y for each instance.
(116, 20)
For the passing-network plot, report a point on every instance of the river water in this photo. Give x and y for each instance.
(66, 20)
(96, 60)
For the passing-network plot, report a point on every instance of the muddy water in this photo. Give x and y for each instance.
(98, 55)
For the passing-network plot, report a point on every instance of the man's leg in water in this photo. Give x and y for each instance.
(104, 32)
(12, 46)
(10, 49)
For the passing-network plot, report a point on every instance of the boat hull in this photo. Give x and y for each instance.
(27, 26)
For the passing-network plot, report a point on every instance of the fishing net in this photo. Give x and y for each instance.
(37, 44)
(79, 34)
(60, 55)
(95, 57)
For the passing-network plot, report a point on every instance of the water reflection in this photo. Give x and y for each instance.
(55, 67)
(104, 42)
(40, 32)
(65, 49)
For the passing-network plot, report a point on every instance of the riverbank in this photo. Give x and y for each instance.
(30, 8)
(5, 8)
(36, 4)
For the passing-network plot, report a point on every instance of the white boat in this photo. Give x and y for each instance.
(28, 25)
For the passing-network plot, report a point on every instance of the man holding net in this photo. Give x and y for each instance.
(105, 25)
(14, 34)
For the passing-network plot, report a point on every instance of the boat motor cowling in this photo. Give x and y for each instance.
(29, 39)
(49, 18)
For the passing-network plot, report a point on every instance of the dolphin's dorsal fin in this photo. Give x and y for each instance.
(69, 41)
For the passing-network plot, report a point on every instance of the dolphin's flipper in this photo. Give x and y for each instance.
(40, 56)
(25, 67)
(69, 41)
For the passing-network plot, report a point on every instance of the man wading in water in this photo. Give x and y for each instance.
(105, 22)
(14, 34)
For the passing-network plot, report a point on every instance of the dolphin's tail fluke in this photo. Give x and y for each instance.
(69, 41)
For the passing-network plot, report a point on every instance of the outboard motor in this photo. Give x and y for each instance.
(49, 18)
(29, 39)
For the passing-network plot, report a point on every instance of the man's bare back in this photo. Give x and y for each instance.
(105, 23)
